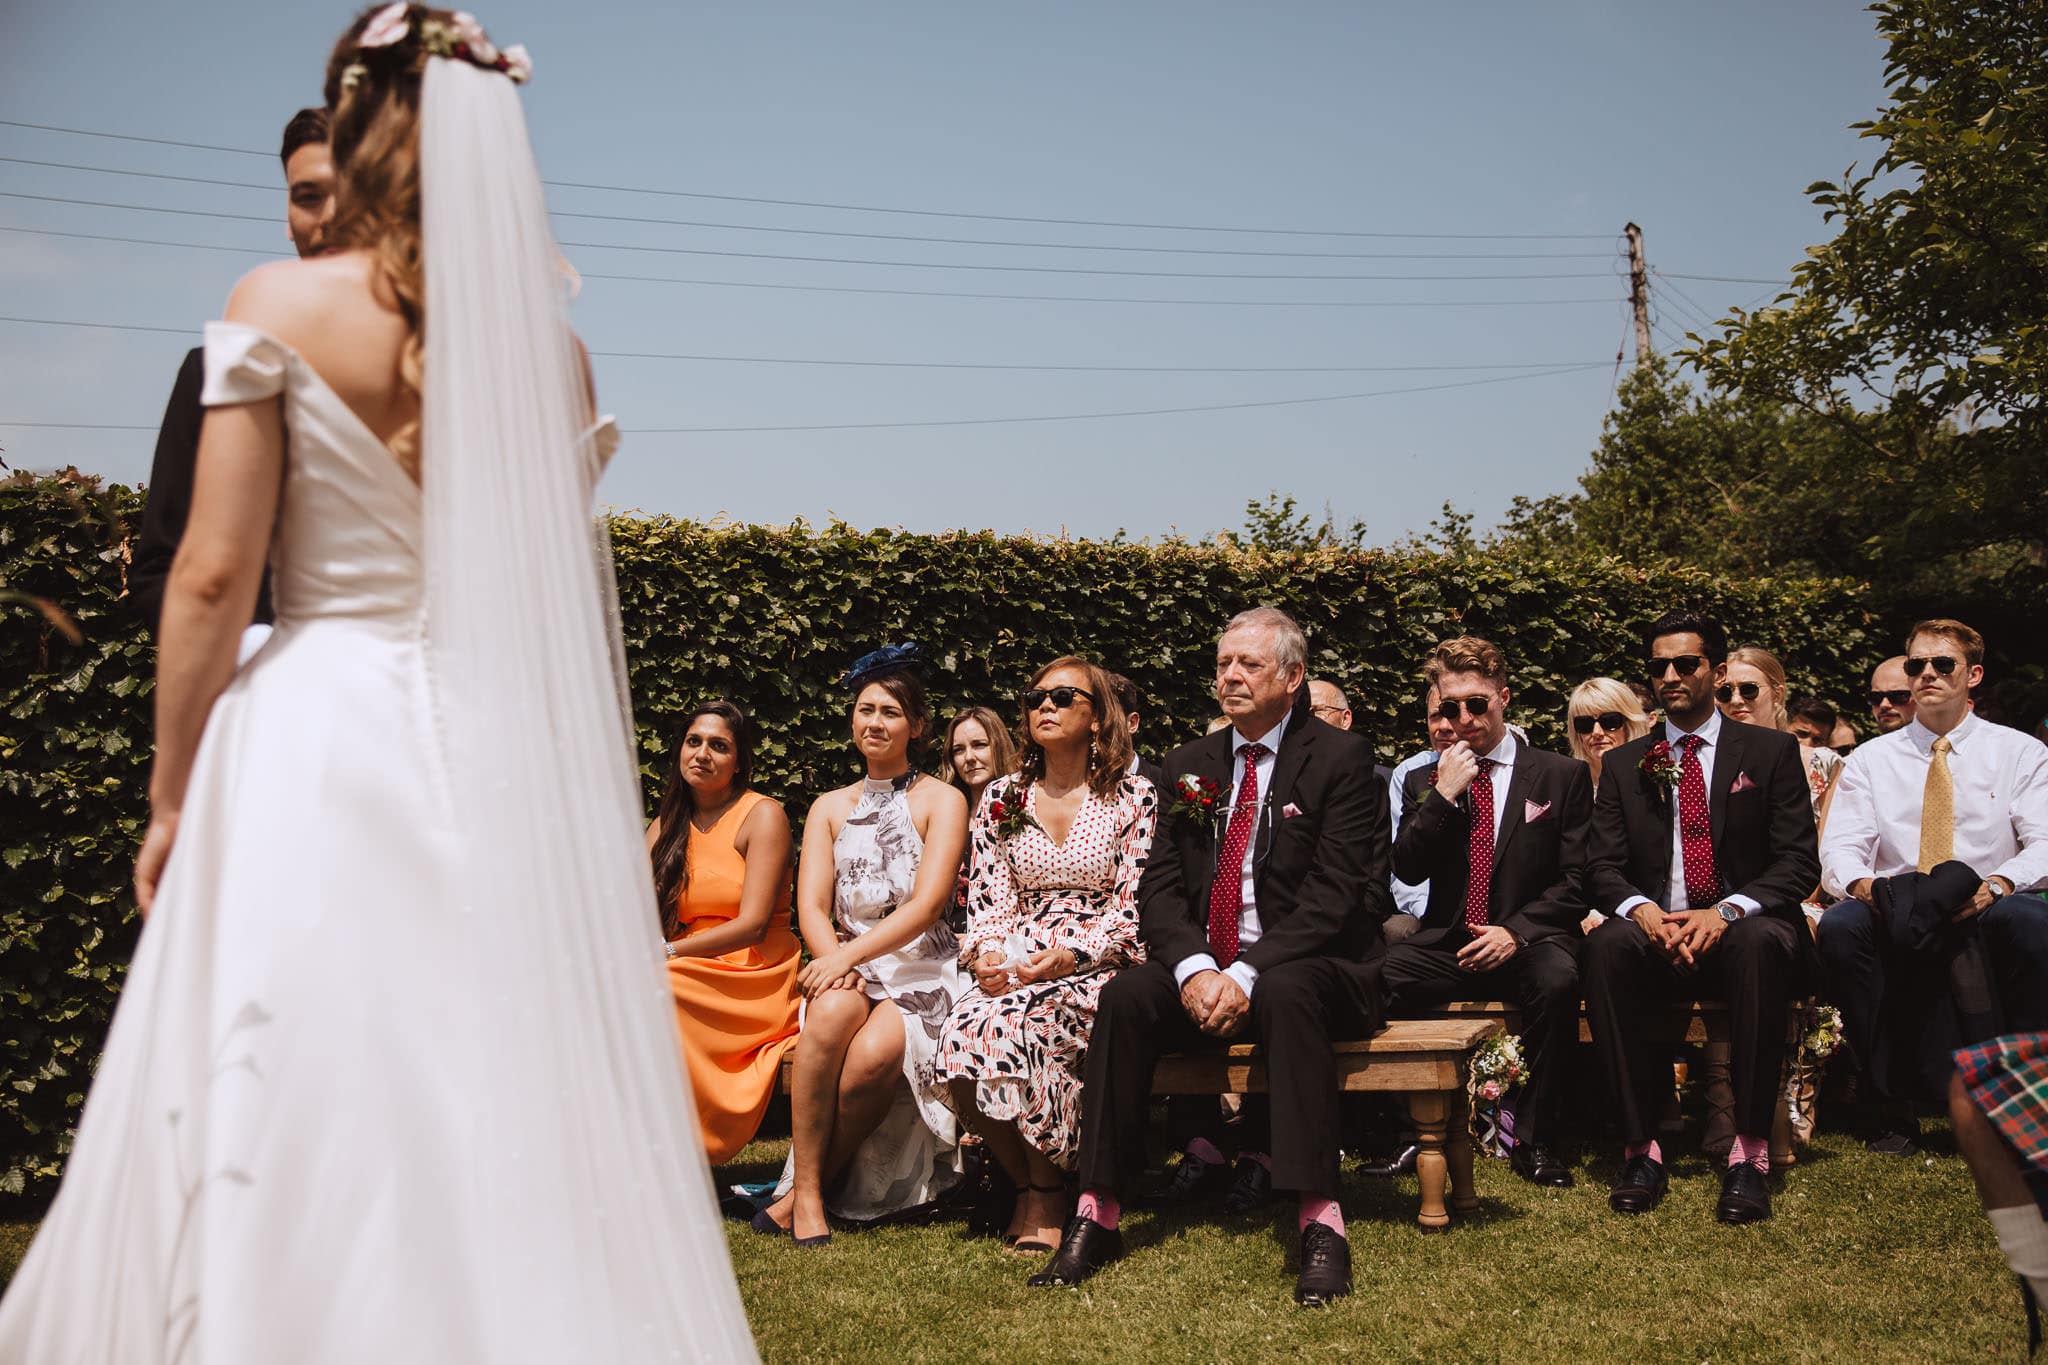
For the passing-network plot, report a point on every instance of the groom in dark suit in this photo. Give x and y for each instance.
(1260, 912)
(1499, 833)
(1702, 849)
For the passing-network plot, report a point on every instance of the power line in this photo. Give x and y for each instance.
(930, 364)
(913, 293)
(872, 208)
(863, 236)
(1724, 279)
(1702, 314)
(976, 421)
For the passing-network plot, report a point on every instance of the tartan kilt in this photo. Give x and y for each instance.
(2008, 1079)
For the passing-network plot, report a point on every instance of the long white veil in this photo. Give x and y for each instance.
(612, 1247)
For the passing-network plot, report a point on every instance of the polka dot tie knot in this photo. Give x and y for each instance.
(1479, 881)
(1696, 829)
(1226, 891)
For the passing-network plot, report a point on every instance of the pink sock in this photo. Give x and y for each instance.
(1753, 1150)
(1099, 1206)
(1316, 1209)
(1205, 1151)
(1259, 1157)
(1651, 1149)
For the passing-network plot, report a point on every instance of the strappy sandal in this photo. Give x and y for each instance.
(1032, 1246)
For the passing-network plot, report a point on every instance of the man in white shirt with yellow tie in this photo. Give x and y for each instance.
(1947, 786)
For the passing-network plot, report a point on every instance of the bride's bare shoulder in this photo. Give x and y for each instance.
(304, 302)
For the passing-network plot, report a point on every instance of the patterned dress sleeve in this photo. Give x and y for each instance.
(992, 888)
(1110, 938)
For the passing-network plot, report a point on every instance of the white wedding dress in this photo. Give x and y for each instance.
(344, 1114)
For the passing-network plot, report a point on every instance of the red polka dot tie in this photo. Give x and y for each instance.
(1226, 891)
(1479, 882)
(1696, 829)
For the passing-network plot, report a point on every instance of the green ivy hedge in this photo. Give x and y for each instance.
(770, 616)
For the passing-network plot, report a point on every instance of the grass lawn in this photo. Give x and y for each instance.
(1867, 1259)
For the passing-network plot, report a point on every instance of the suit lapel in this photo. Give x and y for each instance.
(1287, 765)
(1519, 779)
(1727, 767)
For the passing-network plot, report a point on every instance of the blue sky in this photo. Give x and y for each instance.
(1701, 122)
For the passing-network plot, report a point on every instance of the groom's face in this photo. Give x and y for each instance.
(309, 184)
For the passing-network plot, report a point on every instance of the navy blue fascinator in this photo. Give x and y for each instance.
(887, 659)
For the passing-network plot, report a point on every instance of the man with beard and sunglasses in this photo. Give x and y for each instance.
(1891, 695)
(1702, 848)
(1947, 788)
(1498, 831)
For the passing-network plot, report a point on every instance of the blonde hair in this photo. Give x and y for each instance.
(1597, 696)
(1766, 663)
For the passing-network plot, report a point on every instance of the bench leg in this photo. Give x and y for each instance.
(1428, 1112)
(1458, 1154)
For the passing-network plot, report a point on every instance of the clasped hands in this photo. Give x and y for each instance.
(994, 974)
(1682, 938)
(1865, 889)
(1216, 1003)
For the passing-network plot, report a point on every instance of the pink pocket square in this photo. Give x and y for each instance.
(1532, 811)
(1289, 811)
(1743, 782)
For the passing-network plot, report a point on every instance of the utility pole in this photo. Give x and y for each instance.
(1639, 291)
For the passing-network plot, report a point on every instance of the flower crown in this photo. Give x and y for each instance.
(461, 38)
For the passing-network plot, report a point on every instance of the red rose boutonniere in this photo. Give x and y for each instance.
(1658, 765)
(1197, 799)
(1010, 817)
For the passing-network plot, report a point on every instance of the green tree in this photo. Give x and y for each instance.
(1276, 525)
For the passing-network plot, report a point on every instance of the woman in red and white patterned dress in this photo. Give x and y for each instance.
(1051, 914)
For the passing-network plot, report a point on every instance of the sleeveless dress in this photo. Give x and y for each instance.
(293, 1150)
(736, 1014)
(1024, 1047)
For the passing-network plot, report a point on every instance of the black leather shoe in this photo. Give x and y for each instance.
(1193, 1179)
(1538, 1165)
(1325, 1267)
(1251, 1187)
(1085, 1247)
(1745, 1195)
(1402, 1162)
(1642, 1186)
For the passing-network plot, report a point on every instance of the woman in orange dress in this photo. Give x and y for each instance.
(721, 855)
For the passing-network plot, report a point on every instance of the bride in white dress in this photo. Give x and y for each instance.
(393, 1077)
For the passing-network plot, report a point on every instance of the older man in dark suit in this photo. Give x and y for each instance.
(1702, 849)
(1260, 912)
(1499, 834)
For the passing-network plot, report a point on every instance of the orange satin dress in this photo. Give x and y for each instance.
(737, 1014)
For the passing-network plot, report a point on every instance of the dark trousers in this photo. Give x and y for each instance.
(1298, 1009)
(1629, 984)
(1897, 1014)
(1542, 978)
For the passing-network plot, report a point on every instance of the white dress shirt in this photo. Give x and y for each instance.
(1409, 899)
(1675, 900)
(1248, 930)
(2001, 805)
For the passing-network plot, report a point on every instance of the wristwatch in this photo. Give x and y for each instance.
(1729, 914)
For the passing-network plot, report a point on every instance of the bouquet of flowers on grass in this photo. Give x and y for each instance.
(1822, 1038)
(1498, 1067)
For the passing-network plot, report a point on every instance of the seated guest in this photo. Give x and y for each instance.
(1891, 695)
(1052, 912)
(1260, 921)
(1127, 697)
(1411, 900)
(1753, 690)
(1327, 703)
(1845, 737)
(877, 872)
(978, 750)
(1602, 715)
(1499, 835)
(1701, 849)
(1998, 1109)
(1949, 788)
(721, 877)
(1812, 722)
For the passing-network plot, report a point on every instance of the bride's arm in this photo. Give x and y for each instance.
(209, 599)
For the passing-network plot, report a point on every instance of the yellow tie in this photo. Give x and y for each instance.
(1938, 811)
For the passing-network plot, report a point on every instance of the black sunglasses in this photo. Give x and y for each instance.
(1474, 706)
(1686, 664)
(1943, 664)
(1061, 697)
(1606, 720)
(1898, 698)
(1726, 691)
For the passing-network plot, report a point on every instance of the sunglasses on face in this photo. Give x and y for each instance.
(1725, 693)
(1686, 664)
(1898, 698)
(1943, 665)
(1606, 720)
(1060, 697)
(1474, 706)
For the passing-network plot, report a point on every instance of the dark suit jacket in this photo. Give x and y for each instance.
(1538, 866)
(1320, 876)
(170, 497)
(1764, 844)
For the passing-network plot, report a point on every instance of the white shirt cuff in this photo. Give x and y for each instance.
(1745, 904)
(1244, 974)
(1188, 966)
(1626, 909)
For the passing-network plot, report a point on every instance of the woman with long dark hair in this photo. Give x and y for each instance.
(721, 881)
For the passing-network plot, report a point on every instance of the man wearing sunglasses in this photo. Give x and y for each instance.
(1891, 695)
(1947, 786)
(1701, 850)
(1408, 780)
(1261, 921)
(1499, 833)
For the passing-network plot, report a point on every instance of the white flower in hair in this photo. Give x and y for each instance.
(518, 65)
(389, 26)
(468, 30)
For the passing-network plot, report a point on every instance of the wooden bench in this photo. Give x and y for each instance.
(1422, 1059)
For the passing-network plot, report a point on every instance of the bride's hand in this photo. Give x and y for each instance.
(156, 850)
